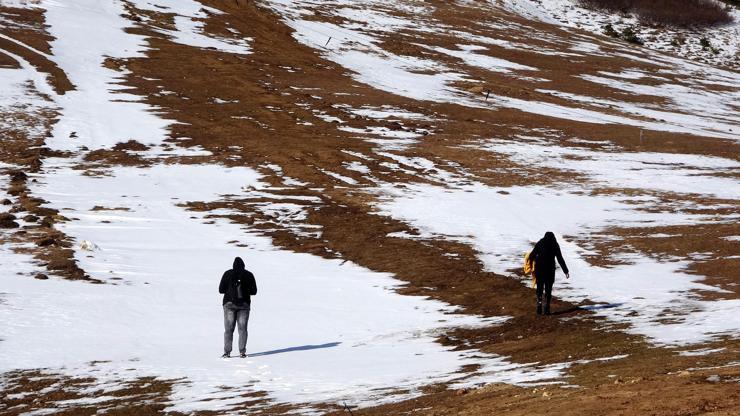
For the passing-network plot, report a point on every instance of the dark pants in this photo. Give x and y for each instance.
(545, 282)
(235, 316)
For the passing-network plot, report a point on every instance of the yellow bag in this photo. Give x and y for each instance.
(529, 268)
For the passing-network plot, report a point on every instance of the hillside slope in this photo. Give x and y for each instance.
(381, 167)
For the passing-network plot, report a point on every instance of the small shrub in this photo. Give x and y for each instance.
(629, 34)
(707, 45)
(678, 40)
(609, 31)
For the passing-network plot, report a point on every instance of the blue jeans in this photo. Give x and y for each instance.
(235, 316)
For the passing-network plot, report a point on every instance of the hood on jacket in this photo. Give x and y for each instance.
(549, 240)
(238, 264)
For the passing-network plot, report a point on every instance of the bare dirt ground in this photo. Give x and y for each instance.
(283, 83)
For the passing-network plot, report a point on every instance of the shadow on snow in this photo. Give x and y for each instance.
(300, 348)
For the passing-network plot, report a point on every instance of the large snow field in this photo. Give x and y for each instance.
(355, 45)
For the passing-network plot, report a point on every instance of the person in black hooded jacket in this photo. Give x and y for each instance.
(237, 285)
(543, 255)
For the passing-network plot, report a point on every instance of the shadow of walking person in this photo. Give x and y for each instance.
(588, 308)
(300, 348)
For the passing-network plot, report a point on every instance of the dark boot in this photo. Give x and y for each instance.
(547, 305)
(539, 306)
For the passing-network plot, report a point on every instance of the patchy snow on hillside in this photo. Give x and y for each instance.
(324, 330)
(356, 46)
(97, 114)
(321, 330)
(665, 172)
(503, 223)
(189, 23)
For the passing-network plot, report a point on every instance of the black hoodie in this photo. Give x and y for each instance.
(544, 254)
(238, 284)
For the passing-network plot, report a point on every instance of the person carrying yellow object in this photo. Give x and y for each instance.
(543, 255)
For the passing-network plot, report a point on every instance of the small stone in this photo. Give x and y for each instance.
(88, 245)
(6, 201)
(41, 276)
(461, 392)
(6, 216)
(9, 224)
(30, 218)
(44, 242)
(60, 218)
(18, 176)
